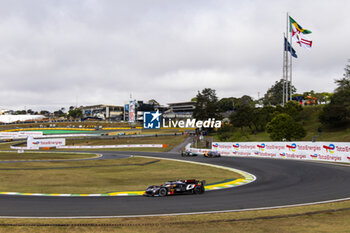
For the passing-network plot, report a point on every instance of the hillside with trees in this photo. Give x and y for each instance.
(309, 117)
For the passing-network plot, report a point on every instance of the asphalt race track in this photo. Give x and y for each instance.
(279, 182)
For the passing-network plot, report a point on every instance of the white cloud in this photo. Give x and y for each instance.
(56, 53)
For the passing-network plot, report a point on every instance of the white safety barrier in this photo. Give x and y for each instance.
(15, 136)
(322, 151)
(20, 134)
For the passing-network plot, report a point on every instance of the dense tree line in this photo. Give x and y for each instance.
(281, 122)
(243, 114)
(73, 112)
(337, 112)
(275, 119)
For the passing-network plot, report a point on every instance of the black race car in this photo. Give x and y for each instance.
(188, 153)
(212, 154)
(176, 187)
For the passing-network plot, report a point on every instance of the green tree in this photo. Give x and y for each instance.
(323, 97)
(19, 112)
(261, 116)
(45, 112)
(225, 132)
(284, 126)
(293, 109)
(242, 116)
(274, 95)
(75, 113)
(243, 112)
(344, 83)
(207, 105)
(59, 113)
(311, 93)
(337, 112)
(246, 115)
(245, 100)
(226, 104)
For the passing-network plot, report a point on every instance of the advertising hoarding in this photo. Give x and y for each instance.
(21, 134)
(322, 151)
(132, 111)
(39, 143)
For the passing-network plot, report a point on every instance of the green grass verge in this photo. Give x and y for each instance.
(160, 131)
(85, 124)
(53, 131)
(311, 123)
(42, 155)
(223, 222)
(6, 145)
(102, 176)
(171, 141)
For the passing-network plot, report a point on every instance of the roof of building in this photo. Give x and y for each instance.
(183, 103)
(101, 106)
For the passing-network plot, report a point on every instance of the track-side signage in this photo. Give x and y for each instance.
(324, 151)
(38, 143)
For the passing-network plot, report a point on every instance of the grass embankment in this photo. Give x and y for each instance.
(4, 156)
(61, 131)
(85, 124)
(161, 131)
(102, 176)
(224, 222)
(5, 146)
(171, 141)
(311, 123)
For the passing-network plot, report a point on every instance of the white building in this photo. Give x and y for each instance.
(21, 118)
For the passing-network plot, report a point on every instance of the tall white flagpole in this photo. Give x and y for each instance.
(287, 36)
(290, 67)
(284, 69)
